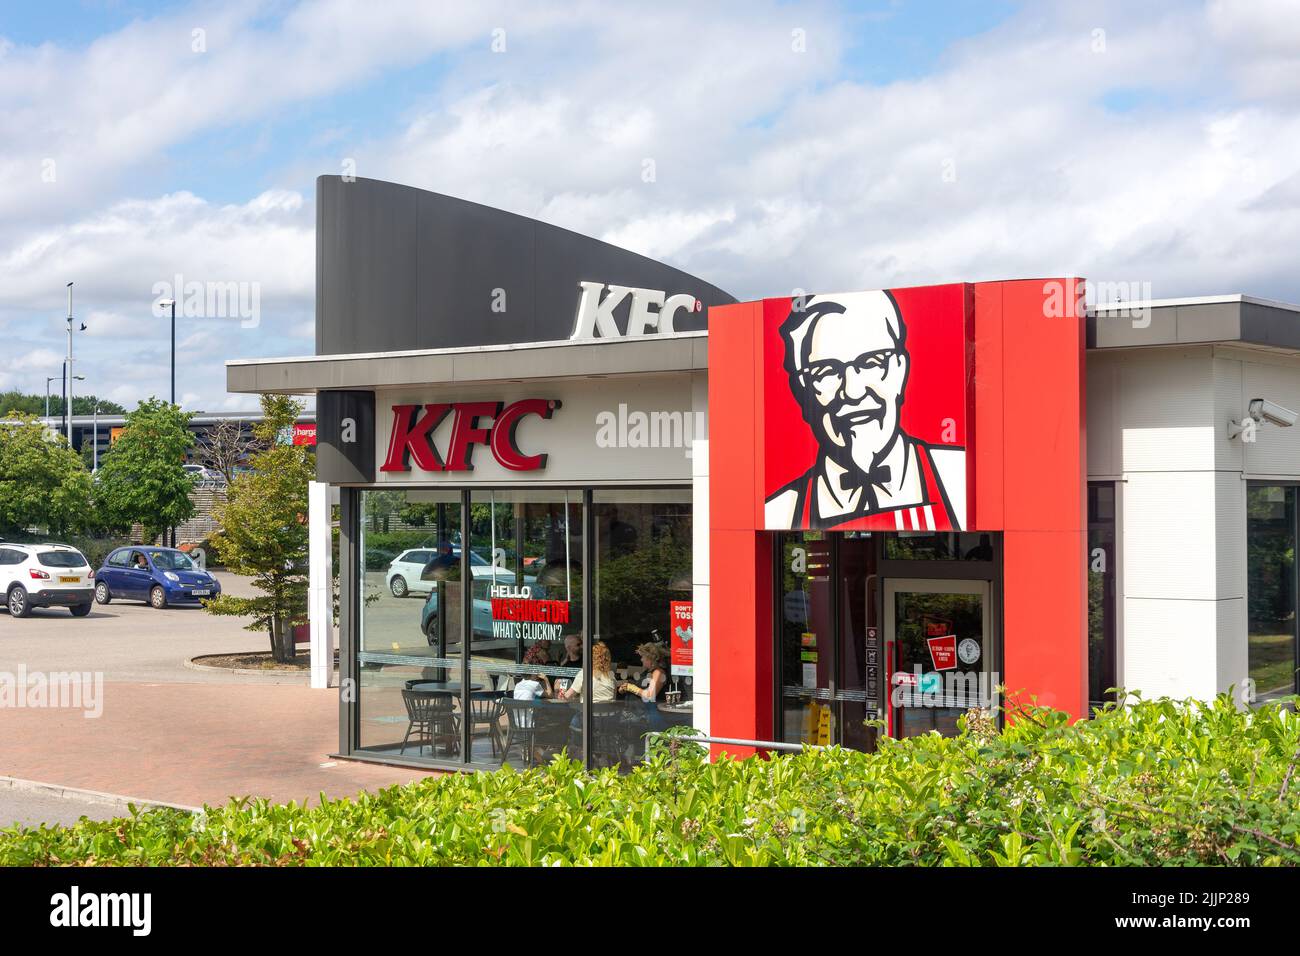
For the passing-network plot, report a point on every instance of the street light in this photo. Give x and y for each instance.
(94, 441)
(172, 303)
(48, 379)
(66, 416)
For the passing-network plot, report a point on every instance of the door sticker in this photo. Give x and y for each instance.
(943, 652)
(968, 651)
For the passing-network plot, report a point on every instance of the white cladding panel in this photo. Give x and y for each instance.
(1170, 647)
(1166, 401)
(1169, 537)
(633, 429)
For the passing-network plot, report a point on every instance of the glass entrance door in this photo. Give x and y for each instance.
(939, 648)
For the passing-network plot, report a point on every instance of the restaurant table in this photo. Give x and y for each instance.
(677, 708)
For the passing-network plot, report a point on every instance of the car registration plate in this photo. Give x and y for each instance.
(65, 579)
(202, 592)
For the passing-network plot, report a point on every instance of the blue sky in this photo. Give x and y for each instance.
(898, 142)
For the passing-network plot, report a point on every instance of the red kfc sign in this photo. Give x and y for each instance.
(414, 425)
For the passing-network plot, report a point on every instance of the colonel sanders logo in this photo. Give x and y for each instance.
(848, 366)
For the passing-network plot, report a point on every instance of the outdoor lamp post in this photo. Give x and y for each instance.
(172, 303)
(48, 379)
(94, 441)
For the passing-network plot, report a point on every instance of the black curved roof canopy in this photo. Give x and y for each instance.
(399, 268)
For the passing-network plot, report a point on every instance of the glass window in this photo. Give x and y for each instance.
(171, 561)
(643, 621)
(118, 559)
(805, 631)
(526, 551)
(409, 647)
(939, 546)
(1102, 665)
(61, 559)
(1271, 590)
(941, 648)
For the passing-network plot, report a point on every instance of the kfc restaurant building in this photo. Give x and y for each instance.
(584, 496)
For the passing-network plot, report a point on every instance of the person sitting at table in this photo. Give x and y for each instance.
(572, 657)
(602, 677)
(536, 685)
(654, 677)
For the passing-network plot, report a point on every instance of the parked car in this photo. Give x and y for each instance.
(482, 627)
(409, 572)
(157, 576)
(44, 575)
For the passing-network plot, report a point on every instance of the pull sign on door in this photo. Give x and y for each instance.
(414, 425)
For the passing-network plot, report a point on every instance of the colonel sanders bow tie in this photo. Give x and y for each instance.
(877, 477)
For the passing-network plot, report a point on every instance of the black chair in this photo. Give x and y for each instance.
(553, 728)
(609, 734)
(485, 710)
(432, 718)
(520, 725)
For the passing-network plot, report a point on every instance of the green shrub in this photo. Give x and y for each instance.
(1159, 782)
(95, 549)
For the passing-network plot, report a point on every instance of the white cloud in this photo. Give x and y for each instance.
(1169, 154)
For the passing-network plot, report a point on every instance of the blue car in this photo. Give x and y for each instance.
(157, 576)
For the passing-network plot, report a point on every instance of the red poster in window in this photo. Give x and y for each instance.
(680, 618)
(943, 651)
(868, 408)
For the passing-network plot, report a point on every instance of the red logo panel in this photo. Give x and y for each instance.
(868, 408)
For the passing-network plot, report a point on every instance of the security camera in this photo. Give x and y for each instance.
(1262, 410)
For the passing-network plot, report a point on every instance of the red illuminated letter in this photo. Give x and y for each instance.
(410, 438)
(465, 432)
(504, 448)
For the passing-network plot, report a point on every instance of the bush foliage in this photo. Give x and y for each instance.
(1157, 782)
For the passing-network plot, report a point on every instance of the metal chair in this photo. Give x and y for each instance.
(552, 728)
(485, 710)
(432, 718)
(609, 736)
(519, 726)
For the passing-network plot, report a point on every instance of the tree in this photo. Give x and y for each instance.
(43, 482)
(264, 530)
(35, 404)
(224, 447)
(143, 479)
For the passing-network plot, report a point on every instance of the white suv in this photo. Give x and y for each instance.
(45, 575)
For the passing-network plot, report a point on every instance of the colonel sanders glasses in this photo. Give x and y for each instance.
(830, 374)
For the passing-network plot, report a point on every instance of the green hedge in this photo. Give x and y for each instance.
(95, 549)
(1158, 783)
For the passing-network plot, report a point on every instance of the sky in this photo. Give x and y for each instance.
(1150, 145)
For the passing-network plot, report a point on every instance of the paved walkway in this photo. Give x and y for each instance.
(192, 743)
